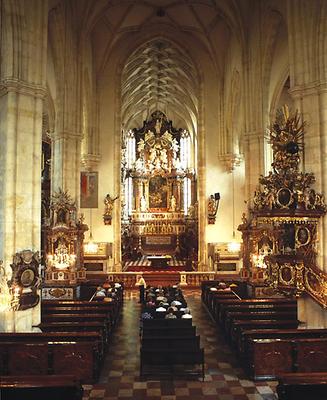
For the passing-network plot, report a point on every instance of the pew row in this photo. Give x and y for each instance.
(40, 387)
(50, 358)
(302, 386)
(175, 345)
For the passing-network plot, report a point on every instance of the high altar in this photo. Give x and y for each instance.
(159, 189)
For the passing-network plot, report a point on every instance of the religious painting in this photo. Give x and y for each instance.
(158, 192)
(284, 197)
(89, 190)
(302, 236)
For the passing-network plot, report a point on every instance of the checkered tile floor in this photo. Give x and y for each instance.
(224, 379)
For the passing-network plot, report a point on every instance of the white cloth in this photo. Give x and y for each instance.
(161, 309)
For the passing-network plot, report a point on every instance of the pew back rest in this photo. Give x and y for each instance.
(167, 332)
(36, 387)
(172, 342)
(170, 323)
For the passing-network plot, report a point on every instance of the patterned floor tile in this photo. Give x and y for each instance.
(224, 379)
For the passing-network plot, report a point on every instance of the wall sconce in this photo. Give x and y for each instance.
(213, 204)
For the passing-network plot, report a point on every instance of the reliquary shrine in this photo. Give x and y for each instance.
(158, 191)
(64, 247)
(280, 238)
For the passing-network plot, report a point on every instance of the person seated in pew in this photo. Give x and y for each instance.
(176, 303)
(174, 308)
(161, 308)
(187, 314)
(150, 303)
(161, 298)
(170, 314)
(100, 293)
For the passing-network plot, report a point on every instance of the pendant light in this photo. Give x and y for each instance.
(90, 246)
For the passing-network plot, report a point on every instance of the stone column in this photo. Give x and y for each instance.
(66, 163)
(23, 50)
(20, 167)
(254, 166)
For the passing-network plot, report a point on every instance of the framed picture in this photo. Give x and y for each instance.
(284, 197)
(302, 236)
(89, 190)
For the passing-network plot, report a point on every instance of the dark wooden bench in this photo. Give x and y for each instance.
(267, 358)
(248, 335)
(44, 337)
(171, 342)
(170, 357)
(223, 305)
(164, 323)
(231, 316)
(50, 358)
(240, 288)
(240, 325)
(40, 387)
(113, 307)
(167, 332)
(302, 386)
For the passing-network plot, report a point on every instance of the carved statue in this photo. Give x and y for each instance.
(173, 203)
(109, 206)
(143, 204)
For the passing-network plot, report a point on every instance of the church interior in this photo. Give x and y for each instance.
(163, 168)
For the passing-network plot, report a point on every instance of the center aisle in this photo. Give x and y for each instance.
(223, 381)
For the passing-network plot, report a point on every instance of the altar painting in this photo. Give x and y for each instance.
(158, 192)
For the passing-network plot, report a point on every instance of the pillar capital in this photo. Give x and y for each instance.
(230, 161)
(8, 85)
(312, 88)
(90, 161)
(66, 135)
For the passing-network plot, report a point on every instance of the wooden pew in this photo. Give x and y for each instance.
(302, 386)
(171, 342)
(40, 387)
(45, 337)
(226, 305)
(215, 297)
(268, 358)
(240, 288)
(170, 323)
(112, 309)
(231, 316)
(167, 331)
(240, 325)
(170, 358)
(248, 335)
(50, 358)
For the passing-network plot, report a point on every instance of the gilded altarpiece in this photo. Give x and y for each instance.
(64, 249)
(280, 237)
(159, 214)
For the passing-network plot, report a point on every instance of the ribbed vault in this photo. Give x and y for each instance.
(160, 76)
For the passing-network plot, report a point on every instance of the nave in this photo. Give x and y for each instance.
(223, 379)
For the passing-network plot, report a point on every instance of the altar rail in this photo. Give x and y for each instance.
(186, 279)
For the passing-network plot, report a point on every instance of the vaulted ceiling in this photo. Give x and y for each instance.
(158, 75)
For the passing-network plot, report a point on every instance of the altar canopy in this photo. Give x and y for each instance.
(159, 214)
